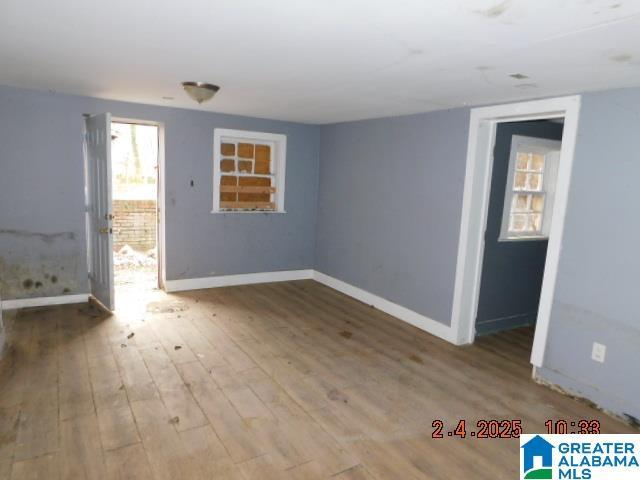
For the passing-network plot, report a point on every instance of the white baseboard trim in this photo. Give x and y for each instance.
(402, 313)
(44, 301)
(240, 279)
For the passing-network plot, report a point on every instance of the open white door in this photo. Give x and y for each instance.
(97, 151)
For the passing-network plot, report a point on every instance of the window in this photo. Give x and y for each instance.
(248, 171)
(528, 200)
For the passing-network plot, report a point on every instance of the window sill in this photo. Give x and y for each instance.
(245, 212)
(523, 238)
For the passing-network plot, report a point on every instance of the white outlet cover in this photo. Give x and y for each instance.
(598, 352)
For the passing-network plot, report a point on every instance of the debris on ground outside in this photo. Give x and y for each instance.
(130, 335)
(174, 420)
(135, 267)
(128, 257)
(177, 347)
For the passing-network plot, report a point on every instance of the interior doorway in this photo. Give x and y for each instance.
(483, 125)
(134, 163)
(522, 191)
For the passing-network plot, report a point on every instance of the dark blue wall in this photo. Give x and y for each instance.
(511, 271)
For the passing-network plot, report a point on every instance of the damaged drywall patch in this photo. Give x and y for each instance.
(580, 397)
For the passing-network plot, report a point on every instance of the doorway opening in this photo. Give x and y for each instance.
(522, 191)
(522, 221)
(134, 160)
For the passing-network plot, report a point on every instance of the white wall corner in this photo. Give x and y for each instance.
(402, 313)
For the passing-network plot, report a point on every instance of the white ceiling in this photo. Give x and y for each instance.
(321, 61)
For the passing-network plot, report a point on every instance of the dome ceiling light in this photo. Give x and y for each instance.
(200, 91)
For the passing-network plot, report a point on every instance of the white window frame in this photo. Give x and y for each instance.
(279, 159)
(551, 151)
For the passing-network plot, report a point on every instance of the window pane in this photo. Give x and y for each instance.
(519, 181)
(535, 222)
(228, 148)
(245, 150)
(245, 166)
(228, 180)
(227, 165)
(521, 161)
(534, 181)
(537, 162)
(255, 196)
(537, 203)
(517, 223)
(519, 203)
(263, 159)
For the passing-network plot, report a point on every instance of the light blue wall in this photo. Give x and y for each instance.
(389, 210)
(597, 296)
(388, 215)
(389, 207)
(42, 226)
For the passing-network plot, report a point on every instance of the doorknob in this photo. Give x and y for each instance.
(105, 230)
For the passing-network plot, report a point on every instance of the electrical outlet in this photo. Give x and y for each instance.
(598, 352)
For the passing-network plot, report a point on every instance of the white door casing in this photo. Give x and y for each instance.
(97, 153)
(482, 130)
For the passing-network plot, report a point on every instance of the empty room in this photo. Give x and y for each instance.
(299, 240)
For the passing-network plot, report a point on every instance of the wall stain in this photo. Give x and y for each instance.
(622, 58)
(346, 334)
(45, 237)
(25, 276)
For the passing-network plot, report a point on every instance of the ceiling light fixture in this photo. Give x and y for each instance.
(199, 91)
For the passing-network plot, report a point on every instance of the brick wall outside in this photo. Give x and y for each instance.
(134, 224)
